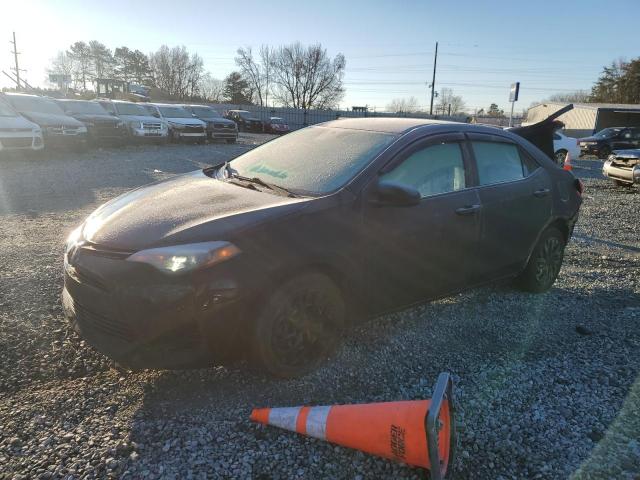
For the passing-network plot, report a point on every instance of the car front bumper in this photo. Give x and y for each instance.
(26, 141)
(590, 149)
(149, 132)
(630, 174)
(65, 140)
(145, 319)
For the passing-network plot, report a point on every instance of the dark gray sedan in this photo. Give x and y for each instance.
(273, 253)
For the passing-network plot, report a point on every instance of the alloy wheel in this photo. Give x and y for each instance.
(549, 261)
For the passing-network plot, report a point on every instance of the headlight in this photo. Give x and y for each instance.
(179, 126)
(136, 124)
(119, 124)
(36, 132)
(89, 124)
(82, 129)
(184, 258)
(73, 238)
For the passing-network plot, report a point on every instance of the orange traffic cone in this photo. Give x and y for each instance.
(416, 432)
(567, 162)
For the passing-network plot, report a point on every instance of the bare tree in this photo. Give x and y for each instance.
(305, 77)
(80, 55)
(61, 64)
(101, 58)
(211, 89)
(176, 72)
(403, 105)
(448, 102)
(579, 96)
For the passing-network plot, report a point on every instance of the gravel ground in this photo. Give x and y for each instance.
(546, 384)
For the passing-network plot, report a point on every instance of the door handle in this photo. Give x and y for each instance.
(543, 192)
(468, 209)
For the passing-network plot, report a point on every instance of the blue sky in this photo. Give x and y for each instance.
(484, 46)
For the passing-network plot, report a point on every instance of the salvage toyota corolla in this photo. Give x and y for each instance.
(275, 252)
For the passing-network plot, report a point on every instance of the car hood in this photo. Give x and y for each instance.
(628, 154)
(185, 121)
(90, 117)
(591, 139)
(16, 122)
(140, 118)
(52, 120)
(224, 121)
(188, 208)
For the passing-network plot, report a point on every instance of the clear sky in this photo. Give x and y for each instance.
(549, 46)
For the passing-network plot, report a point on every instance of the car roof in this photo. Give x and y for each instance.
(385, 124)
(167, 105)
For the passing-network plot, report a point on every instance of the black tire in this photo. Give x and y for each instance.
(545, 262)
(560, 156)
(620, 183)
(231, 140)
(604, 153)
(299, 326)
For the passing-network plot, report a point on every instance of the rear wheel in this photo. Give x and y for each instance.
(299, 326)
(560, 157)
(545, 262)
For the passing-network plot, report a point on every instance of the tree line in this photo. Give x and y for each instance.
(290, 75)
(618, 83)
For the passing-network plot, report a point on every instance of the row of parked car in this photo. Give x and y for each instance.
(29, 122)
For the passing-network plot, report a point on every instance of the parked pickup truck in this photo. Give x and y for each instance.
(623, 167)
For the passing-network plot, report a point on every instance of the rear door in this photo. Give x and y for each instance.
(425, 250)
(515, 193)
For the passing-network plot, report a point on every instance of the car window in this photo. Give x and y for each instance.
(432, 170)
(498, 162)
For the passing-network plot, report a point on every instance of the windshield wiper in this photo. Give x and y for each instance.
(232, 174)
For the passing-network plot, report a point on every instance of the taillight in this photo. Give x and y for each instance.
(579, 186)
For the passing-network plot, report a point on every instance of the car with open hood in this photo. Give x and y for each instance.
(101, 125)
(182, 124)
(273, 253)
(140, 123)
(218, 127)
(58, 128)
(16, 132)
(604, 142)
(623, 167)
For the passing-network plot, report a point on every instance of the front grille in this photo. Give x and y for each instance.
(151, 126)
(87, 278)
(108, 325)
(194, 128)
(63, 130)
(24, 142)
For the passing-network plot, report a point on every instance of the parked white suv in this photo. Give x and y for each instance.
(18, 133)
(182, 124)
(563, 145)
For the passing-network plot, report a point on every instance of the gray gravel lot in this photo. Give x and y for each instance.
(537, 398)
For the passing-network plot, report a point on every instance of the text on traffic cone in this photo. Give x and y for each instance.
(416, 432)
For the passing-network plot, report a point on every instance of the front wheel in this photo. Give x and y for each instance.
(604, 153)
(545, 262)
(620, 183)
(299, 326)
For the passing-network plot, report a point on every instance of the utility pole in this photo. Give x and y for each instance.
(15, 56)
(433, 81)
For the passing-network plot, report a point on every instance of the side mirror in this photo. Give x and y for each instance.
(394, 194)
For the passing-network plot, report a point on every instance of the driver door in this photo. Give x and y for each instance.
(426, 250)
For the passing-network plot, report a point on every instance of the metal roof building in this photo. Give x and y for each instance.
(587, 118)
